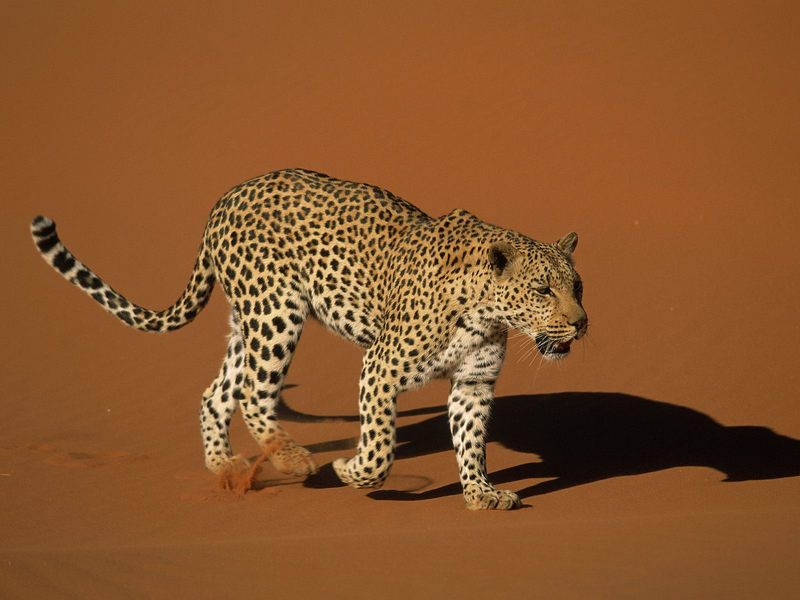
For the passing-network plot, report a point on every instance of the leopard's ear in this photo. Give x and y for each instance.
(503, 258)
(568, 243)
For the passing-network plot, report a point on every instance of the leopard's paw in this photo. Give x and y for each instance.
(479, 497)
(293, 459)
(342, 472)
(346, 471)
(236, 474)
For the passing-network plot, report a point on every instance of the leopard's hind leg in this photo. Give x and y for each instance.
(219, 403)
(270, 334)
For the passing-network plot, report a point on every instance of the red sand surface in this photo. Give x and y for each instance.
(667, 135)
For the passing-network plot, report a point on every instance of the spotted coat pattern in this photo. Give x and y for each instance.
(423, 297)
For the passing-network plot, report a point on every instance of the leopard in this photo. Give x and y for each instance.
(423, 297)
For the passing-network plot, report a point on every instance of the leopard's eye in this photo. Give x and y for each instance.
(544, 290)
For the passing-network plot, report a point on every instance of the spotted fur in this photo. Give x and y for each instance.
(423, 297)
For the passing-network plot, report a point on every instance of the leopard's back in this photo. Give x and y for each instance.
(328, 239)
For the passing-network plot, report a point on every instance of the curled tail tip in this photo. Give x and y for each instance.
(42, 226)
(43, 231)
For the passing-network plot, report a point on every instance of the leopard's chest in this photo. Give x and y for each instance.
(471, 333)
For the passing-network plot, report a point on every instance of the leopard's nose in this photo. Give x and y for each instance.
(580, 324)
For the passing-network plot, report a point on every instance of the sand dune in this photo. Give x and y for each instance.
(660, 460)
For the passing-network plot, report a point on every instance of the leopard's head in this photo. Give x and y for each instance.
(537, 291)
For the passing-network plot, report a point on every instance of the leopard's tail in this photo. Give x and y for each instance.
(191, 301)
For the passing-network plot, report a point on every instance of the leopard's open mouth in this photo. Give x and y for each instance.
(551, 348)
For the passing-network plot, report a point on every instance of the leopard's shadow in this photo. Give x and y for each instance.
(580, 437)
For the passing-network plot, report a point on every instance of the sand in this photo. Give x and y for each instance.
(661, 460)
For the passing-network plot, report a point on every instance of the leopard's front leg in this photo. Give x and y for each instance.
(469, 408)
(373, 460)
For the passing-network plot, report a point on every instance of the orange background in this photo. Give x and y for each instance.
(666, 135)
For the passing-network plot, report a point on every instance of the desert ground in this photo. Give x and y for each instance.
(660, 460)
